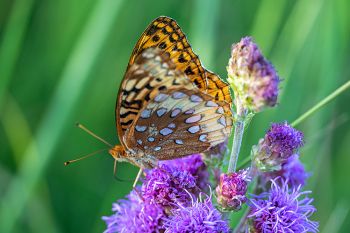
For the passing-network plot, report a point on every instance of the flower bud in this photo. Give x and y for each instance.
(280, 142)
(232, 189)
(253, 79)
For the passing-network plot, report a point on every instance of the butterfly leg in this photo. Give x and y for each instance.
(137, 178)
(135, 182)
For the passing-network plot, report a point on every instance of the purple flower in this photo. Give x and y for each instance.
(198, 217)
(195, 166)
(165, 185)
(280, 142)
(253, 78)
(292, 170)
(135, 215)
(232, 189)
(282, 210)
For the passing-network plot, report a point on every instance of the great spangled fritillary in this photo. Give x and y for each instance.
(168, 105)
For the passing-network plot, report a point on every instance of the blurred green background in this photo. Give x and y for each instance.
(61, 61)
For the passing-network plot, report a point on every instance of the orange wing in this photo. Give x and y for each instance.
(165, 33)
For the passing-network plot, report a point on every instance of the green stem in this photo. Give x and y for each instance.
(236, 146)
(242, 221)
(322, 103)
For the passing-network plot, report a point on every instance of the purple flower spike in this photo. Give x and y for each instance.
(232, 189)
(198, 217)
(195, 166)
(280, 142)
(292, 170)
(253, 78)
(134, 215)
(282, 210)
(165, 185)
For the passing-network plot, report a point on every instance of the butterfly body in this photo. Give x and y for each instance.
(168, 105)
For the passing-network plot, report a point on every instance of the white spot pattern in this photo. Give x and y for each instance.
(165, 131)
(140, 128)
(193, 119)
(161, 112)
(194, 129)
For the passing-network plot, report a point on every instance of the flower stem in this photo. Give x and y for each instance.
(242, 222)
(236, 146)
(322, 103)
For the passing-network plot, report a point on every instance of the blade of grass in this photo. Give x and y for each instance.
(11, 42)
(265, 26)
(293, 36)
(64, 99)
(204, 23)
(19, 134)
(337, 217)
(16, 128)
(322, 103)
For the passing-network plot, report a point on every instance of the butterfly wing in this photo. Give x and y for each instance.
(165, 34)
(151, 73)
(218, 88)
(179, 123)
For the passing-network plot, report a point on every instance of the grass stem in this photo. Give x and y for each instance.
(322, 103)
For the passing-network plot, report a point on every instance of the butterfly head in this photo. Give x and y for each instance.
(117, 152)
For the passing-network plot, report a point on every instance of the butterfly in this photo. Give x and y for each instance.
(168, 105)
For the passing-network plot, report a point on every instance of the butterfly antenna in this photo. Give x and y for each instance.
(84, 157)
(115, 172)
(93, 134)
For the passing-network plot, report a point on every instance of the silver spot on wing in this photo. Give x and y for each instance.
(203, 138)
(140, 128)
(194, 129)
(161, 112)
(146, 113)
(178, 95)
(211, 104)
(222, 121)
(196, 98)
(179, 142)
(193, 119)
(175, 112)
(161, 97)
(165, 131)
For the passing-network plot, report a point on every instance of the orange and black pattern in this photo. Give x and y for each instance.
(166, 34)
